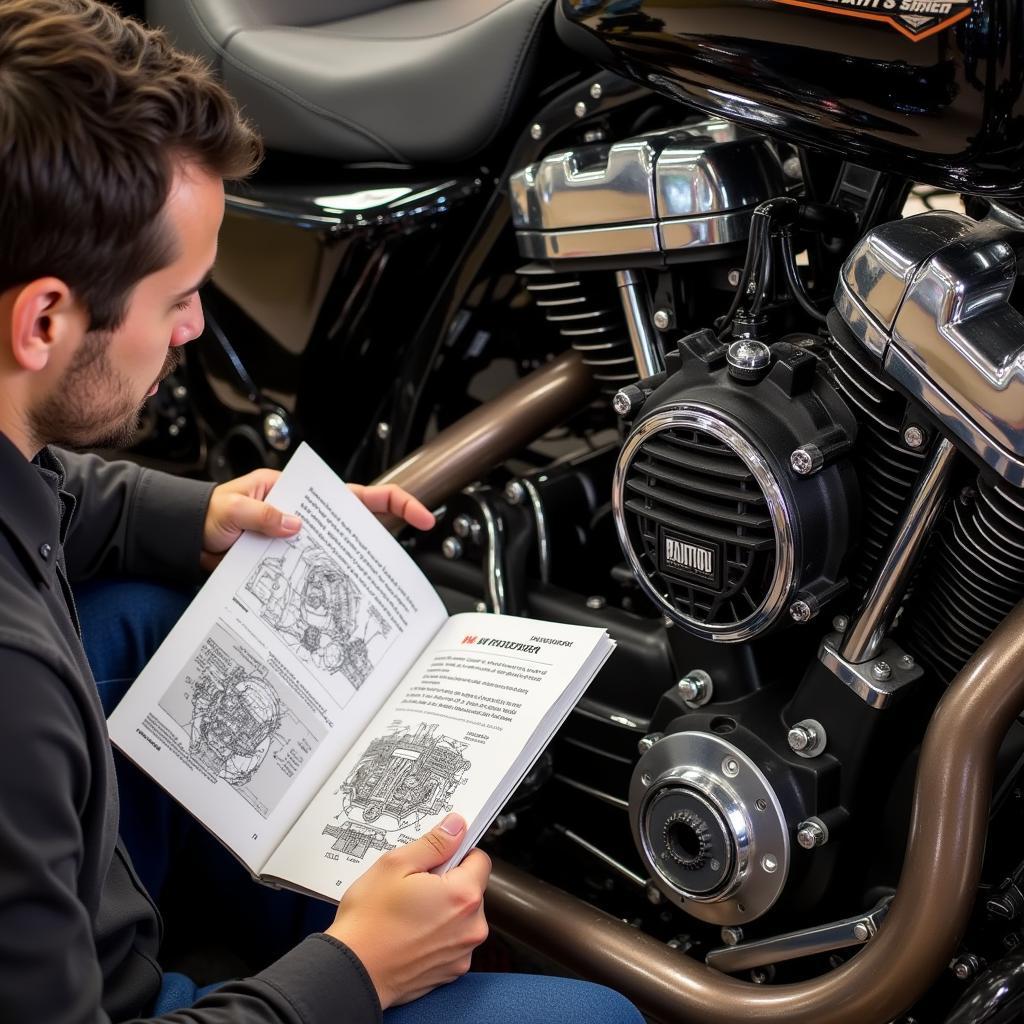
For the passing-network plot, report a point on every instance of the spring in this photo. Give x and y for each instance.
(587, 311)
(972, 577)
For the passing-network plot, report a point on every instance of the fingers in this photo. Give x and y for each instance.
(390, 499)
(433, 849)
(245, 513)
(475, 870)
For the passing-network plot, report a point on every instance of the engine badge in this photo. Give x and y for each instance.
(916, 19)
(690, 560)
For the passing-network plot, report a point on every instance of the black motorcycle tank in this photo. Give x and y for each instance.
(929, 89)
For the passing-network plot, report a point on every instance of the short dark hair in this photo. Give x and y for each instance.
(96, 113)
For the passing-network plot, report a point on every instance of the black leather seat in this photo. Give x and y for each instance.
(406, 81)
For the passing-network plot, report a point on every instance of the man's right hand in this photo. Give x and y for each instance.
(413, 930)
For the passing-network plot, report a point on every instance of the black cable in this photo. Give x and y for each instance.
(758, 229)
(796, 284)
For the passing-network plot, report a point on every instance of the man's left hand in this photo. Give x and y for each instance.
(240, 505)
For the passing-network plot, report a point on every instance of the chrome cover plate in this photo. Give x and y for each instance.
(930, 296)
(680, 189)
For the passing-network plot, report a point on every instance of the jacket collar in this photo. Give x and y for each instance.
(31, 508)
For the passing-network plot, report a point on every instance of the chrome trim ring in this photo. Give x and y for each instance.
(744, 798)
(690, 415)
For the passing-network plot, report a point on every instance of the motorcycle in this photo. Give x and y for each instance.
(626, 289)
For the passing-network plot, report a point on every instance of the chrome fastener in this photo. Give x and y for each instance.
(276, 431)
(807, 738)
(732, 936)
(580, 110)
(881, 670)
(645, 743)
(811, 834)
(596, 91)
(662, 319)
(913, 437)
(806, 460)
(536, 132)
(451, 548)
(695, 688)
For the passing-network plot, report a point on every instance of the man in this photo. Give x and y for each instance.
(113, 153)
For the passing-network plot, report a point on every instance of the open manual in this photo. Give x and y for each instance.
(316, 705)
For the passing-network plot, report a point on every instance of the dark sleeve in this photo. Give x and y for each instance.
(48, 965)
(133, 521)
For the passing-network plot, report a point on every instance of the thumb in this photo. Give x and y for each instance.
(433, 849)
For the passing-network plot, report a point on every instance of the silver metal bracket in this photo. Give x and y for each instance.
(877, 682)
(823, 938)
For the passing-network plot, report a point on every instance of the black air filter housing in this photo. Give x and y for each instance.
(720, 530)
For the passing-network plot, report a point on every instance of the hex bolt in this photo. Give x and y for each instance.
(906, 661)
(481, 607)
(515, 492)
(628, 400)
(801, 611)
(276, 430)
(662, 319)
(806, 460)
(596, 91)
(862, 931)
(451, 548)
(596, 602)
(839, 623)
(695, 688)
(536, 132)
(807, 738)
(730, 767)
(465, 526)
(965, 967)
(580, 110)
(881, 670)
(770, 863)
(645, 743)
(811, 834)
(913, 437)
(732, 936)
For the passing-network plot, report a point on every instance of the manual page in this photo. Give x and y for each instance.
(279, 664)
(458, 733)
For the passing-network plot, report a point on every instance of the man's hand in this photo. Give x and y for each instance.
(413, 930)
(390, 499)
(238, 505)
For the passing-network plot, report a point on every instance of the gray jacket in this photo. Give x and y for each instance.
(78, 932)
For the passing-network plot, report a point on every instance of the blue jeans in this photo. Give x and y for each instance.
(122, 625)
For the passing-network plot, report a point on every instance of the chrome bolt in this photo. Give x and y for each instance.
(881, 670)
(645, 743)
(807, 738)
(770, 863)
(667, 621)
(180, 392)
(383, 431)
(662, 319)
(806, 460)
(800, 611)
(734, 278)
(862, 931)
(463, 525)
(596, 602)
(174, 430)
(277, 432)
(580, 110)
(654, 896)
(811, 834)
(730, 767)
(906, 661)
(536, 132)
(596, 91)
(515, 492)
(965, 967)
(839, 623)
(593, 135)
(627, 400)
(748, 357)
(913, 437)
(732, 936)
(451, 548)
(481, 607)
(792, 169)
(695, 687)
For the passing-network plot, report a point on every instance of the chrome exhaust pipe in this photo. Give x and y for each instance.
(914, 943)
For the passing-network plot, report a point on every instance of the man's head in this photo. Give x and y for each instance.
(113, 150)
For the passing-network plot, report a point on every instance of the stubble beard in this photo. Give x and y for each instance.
(93, 406)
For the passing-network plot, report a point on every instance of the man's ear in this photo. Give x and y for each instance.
(46, 322)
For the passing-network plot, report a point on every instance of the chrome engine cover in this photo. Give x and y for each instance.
(676, 191)
(930, 297)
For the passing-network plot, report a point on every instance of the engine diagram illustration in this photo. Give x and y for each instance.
(319, 610)
(234, 721)
(240, 722)
(400, 778)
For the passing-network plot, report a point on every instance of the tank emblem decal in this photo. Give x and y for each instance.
(916, 19)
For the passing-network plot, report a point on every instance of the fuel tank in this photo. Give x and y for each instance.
(929, 89)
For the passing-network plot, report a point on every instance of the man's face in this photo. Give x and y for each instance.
(99, 398)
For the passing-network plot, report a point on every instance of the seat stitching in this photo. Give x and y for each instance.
(287, 92)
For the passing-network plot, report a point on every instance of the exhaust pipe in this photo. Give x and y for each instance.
(496, 430)
(914, 943)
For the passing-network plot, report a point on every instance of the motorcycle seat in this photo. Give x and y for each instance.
(400, 81)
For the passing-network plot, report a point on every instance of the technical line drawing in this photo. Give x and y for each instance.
(319, 610)
(399, 779)
(234, 722)
(354, 840)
